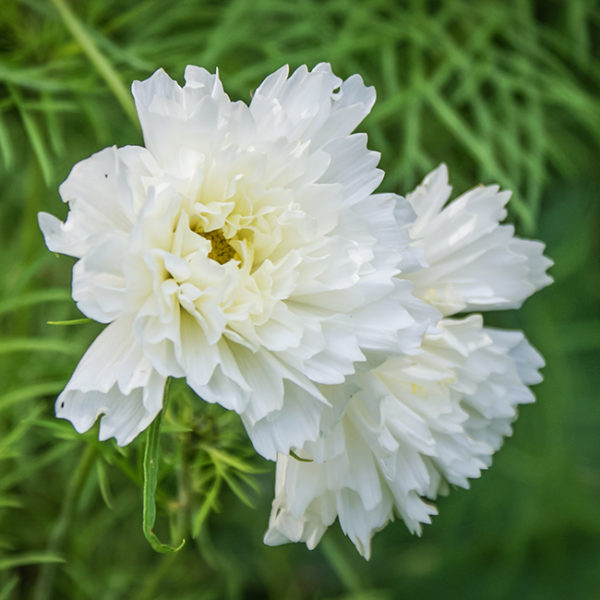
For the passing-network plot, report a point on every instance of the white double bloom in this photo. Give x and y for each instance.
(243, 249)
(416, 424)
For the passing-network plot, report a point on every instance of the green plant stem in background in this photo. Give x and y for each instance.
(150, 480)
(33, 133)
(340, 564)
(149, 587)
(101, 64)
(43, 587)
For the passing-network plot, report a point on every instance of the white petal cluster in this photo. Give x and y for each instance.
(243, 249)
(472, 262)
(416, 424)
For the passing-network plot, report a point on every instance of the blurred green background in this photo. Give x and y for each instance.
(503, 92)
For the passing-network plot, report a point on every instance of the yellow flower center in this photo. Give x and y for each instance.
(221, 250)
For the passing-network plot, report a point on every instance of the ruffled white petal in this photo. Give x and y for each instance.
(102, 192)
(473, 262)
(113, 380)
(315, 105)
(176, 121)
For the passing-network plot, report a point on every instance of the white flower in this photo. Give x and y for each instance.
(243, 249)
(416, 424)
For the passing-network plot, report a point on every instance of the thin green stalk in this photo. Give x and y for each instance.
(98, 60)
(43, 587)
(151, 465)
(340, 565)
(33, 133)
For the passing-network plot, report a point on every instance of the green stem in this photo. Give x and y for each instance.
(43, 587)
(150, 481)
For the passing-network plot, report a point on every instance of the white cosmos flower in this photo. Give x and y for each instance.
(243, 249)
(416, 424)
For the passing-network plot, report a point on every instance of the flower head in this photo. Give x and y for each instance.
(416, 424)
(243, 249)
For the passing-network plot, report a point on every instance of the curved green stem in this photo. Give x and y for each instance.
(150, 480)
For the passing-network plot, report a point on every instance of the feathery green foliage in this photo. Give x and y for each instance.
(500, 91)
